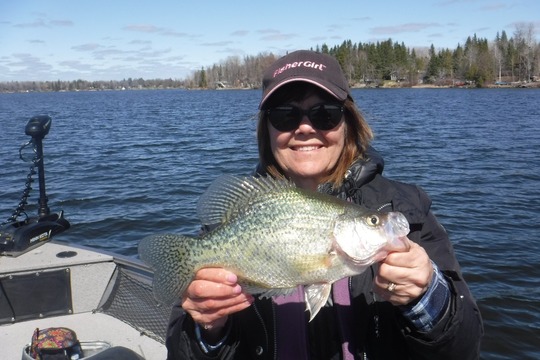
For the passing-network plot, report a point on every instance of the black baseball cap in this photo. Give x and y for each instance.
(316, 68)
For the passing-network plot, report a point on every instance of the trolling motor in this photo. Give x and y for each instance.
(18, 237)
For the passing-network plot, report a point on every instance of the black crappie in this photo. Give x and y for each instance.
(274, 237)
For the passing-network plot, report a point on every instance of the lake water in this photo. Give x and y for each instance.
(126, 164)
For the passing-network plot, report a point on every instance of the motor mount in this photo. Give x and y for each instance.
(20, 236)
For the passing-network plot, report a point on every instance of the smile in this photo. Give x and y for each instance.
(305, 148)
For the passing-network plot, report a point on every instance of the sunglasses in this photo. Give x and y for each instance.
(287, 117)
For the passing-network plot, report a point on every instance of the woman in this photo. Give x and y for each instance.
(414, 304)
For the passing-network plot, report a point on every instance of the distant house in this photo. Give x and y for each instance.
(222, 85)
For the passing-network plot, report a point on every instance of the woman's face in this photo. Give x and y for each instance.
(307, 154)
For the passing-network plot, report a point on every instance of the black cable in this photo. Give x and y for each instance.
(28, 185)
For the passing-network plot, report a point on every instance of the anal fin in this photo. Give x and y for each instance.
(316, 295)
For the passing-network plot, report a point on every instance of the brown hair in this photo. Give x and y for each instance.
(358, 134)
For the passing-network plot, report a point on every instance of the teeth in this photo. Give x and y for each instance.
(306, 148)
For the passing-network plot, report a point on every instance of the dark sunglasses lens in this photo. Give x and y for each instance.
(322, 117)
(325, 117)
(284, 118)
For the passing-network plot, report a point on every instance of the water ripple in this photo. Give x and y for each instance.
(123, 165)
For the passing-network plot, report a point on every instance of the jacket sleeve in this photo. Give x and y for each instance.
(251, 335)
(182, 344)
(457, 334)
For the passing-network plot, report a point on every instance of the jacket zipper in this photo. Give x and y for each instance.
(383, 206)
(274, 320)
(265, 329)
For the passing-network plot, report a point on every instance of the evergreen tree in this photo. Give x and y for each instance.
(203, 83)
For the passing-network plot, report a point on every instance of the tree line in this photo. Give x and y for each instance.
(84, 85)
(478, 62)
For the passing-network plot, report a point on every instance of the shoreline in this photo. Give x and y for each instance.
(396, 85)
(386, 85)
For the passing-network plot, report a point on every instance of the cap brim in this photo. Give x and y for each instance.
(333, 90)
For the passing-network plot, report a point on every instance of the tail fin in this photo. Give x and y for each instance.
(168, 255)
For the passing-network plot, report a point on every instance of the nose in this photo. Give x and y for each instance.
(305, 124)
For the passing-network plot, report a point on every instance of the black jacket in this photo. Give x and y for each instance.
(381, 332)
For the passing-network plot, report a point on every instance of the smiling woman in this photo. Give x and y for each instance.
(306, 154)
(413, 303)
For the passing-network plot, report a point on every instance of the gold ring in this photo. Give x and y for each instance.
(391, 286)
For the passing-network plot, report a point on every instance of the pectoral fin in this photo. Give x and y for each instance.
(316, 295)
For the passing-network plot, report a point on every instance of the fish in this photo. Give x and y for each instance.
(275, 237)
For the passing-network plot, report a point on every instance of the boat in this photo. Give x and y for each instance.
(105, 299)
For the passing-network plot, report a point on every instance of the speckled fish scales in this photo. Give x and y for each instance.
(274, 237)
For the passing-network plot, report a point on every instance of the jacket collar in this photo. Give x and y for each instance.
(360, 172)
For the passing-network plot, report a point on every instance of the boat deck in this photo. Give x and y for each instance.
(90, 277)
(89, 327)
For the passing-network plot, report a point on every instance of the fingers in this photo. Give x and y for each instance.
(214, 307)
(404, 276)
(216, 275)
(213, 295)
(213, 282)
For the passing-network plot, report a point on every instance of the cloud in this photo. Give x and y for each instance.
(362, 18)
(240, 33)
(275, 35)
(152, 29)
(20, 65)
(451, 2)
(494, 7)
(75, 65)
(231, 51)
(87, 47)
(335, 27)
(278, 37)
(21, 59)
(481, 29)
(437, 35)
(41, 23)
(38, 23)
(268, 31)
(140, 42)
(174, 33)
(61, 23)
(398, 29)
(89, 65)
(146, 53)
(218, 43)
(145, 28)
(107, 53)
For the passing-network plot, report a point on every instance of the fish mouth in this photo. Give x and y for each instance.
(399, 224)
(397, 227)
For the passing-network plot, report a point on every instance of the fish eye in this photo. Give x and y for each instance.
(373, 220)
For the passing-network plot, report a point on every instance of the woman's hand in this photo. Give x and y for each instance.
(411, 273)
(211, 297)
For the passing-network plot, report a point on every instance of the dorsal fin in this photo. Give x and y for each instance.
(228, 195)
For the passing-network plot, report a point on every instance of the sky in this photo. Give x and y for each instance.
(49, 40)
